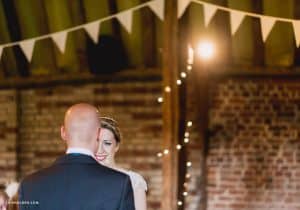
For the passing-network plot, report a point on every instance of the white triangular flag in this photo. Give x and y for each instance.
(209, 12)
(125, 19)
(27, 47)
(236, 19)
(182, 5)
(60, 40)
(158, 7)
(296, 25)
(93, 30)
(1, 50)
(267, 24)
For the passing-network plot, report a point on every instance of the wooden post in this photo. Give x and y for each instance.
(170, 107)
(201, 84)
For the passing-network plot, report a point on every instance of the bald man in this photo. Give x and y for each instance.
(76, 181)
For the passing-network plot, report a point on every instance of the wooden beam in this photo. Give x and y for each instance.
(170, 107)
(258, 44)
(201, 80)
(184, 39)
(132, 42)
(80, 78)
(15, 35)
(59, 18)
(43, 60)
(8, 63)
(148, 37)
(278, 52)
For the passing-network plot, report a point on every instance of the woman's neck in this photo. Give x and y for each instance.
(112, 164)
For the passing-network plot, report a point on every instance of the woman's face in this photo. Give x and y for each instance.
(108, 147)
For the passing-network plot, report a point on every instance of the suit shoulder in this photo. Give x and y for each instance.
(37, 175)
(115, 172)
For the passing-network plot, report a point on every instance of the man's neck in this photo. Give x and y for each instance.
(79, 150)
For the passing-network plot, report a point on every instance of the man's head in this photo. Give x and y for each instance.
(81, 127)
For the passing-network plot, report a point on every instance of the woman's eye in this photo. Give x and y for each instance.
(107, 143)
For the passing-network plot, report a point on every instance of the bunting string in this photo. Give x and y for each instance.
(237, 17)
(92, 28)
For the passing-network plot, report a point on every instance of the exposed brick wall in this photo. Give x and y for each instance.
(8, 136)
(132, 103)
(254, 148)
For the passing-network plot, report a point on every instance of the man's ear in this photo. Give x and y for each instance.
(63, 133)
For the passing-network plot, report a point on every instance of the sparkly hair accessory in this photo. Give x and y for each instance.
(112, 125)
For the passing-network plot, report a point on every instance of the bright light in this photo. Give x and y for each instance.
(206, 50)
(160, 99)
(179, 203)
(159, 154)
(183, 74)
(188, 164)
(166, 151)
(167, 89)
(186, 140)
(190, 123)
(185, 193)
(190, 55)
(179, 82)
(178, 146)
(186, 134)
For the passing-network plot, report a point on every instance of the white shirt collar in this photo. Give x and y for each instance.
(80, 151)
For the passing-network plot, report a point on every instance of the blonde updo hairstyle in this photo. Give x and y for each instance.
(111, 125)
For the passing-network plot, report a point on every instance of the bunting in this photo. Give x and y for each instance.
(181, 7)
(237, 17)
(266, 27)
(125, 18)
(296, 25)
(92, 28)
(158, 7)
(209, 12)
(60, 39)
(27, 47)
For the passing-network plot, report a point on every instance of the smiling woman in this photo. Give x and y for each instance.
(110, 138)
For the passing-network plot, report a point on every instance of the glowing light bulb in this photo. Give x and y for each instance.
(206, 50)
(167, 89)
(166, 151)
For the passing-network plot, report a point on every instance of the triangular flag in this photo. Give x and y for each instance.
(182, 5)
(93, 30)
(158, 7)
(209, 12)
(267, 24)
(125, 19)
(27, 47)
(236, 19)
(1, 50)
(60, 40)
(296, 25)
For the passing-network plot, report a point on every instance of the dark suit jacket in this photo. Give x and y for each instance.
(76, 182)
